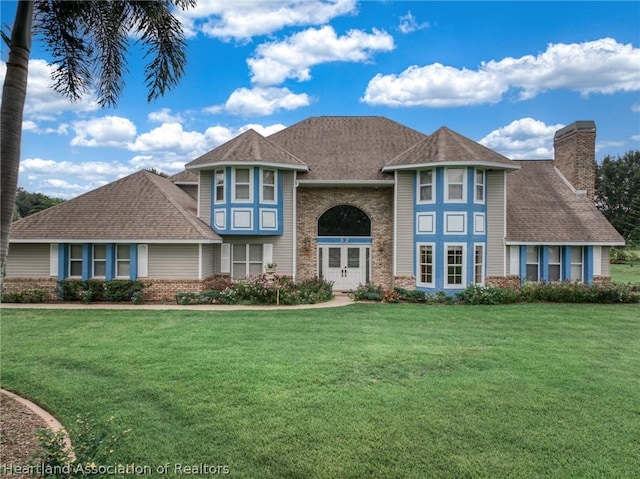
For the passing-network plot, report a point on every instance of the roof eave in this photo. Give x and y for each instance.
(282, 166)
(416, 166)
(513, 242)
(112, 240)
(340, 183)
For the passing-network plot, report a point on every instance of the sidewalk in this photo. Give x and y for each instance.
(337, 301)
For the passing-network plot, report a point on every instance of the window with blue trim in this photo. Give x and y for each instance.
(479, 186)
(533, 263)
(219, 185)
(99, 260)
(123, 260)
(242, 185)
(577, 260)
(555, 263)
(75, 260)
(426, 186)
(456, 185)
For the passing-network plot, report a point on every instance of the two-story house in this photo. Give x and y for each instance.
(349, 199)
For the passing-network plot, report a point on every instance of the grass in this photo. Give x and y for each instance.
(365, 391)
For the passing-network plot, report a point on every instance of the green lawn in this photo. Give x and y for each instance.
(626, 272)
(364, 391)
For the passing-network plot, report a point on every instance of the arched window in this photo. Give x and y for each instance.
(344, 220)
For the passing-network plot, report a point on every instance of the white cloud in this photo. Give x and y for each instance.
(274, 62)
(170, 137)
(409, 23)
(523, 139)
(33, 127)
(164, 115)
(108, 131)
(261, 101)
(635, 138)
(635, 108)
(601, 66)
(42, 101)
(92, 171)
(242, 20)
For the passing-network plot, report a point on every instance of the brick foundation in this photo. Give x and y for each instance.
(406, 282)
(510, 282)
(15, 285)
(601, 279)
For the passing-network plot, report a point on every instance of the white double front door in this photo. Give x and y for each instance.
(345, 265)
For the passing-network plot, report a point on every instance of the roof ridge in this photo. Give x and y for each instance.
(193, 220)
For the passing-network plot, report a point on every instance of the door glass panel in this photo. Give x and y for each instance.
(353, 257)
(334, 258)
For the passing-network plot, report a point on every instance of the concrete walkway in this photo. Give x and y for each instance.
(337, 301)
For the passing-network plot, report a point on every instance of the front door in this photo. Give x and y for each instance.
(345, 265)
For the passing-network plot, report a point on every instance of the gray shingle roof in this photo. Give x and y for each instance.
(541, 207)
(248, 147)
(139, 207)
(448, 147)
(346, 147)
(184, 177)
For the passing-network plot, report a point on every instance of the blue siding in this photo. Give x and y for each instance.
(63, 260)
(440, 238)
(133, 261)
(254, 206)
(111, 261)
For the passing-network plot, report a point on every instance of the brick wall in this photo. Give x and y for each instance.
(15, 285)
(377, 203)
(406, 282)
(511, 281)
(575, 155)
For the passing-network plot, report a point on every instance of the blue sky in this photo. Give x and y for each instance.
(506, 74)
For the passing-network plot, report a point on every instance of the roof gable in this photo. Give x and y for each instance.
(445, 146)
(346, 147)
(139, 207)
(249, 147)
(543, 208)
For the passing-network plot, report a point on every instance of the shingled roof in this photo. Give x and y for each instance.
(248, 147)
(141, 207)
(446, 147)
(339, 148)
(543, 208)
(184, 177)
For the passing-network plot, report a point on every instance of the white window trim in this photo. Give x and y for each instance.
(464, 186)
(247, 262)
(215, 186)
(94, 260)
(446, 266)
(275, 186)
(80, 260)
(433, 187)
(53, 260)
(476, 231)
(464, 223)
(484, 262)
(433, 223)
(597, 260)
(476, 184)
(572, 264)
(527, 263)
(118, 261)
(559, 263)
(419, 264)
(233, 185)
(273, 211)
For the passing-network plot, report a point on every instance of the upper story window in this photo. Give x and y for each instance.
(242, 186)
(75, 260)
(479, 186)
(268, 186)
(99, 260)
(123, 261)
(219, 179)
(456, 185)
(426, 187)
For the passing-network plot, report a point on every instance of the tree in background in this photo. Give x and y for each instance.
(30, 203)
(618, 193)
(88, 41)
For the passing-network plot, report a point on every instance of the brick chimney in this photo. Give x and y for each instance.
(575, 155)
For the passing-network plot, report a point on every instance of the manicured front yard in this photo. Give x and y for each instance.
(369, 390)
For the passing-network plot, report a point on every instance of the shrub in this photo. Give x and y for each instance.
(185, 298)
(122, 290)
(574, 292)
(390, 296)
(95, 289)
(311, 291)
(27, 296)
(70, 289)
(624, 255)
(411, 295)
(368, 292)
(476, 294)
